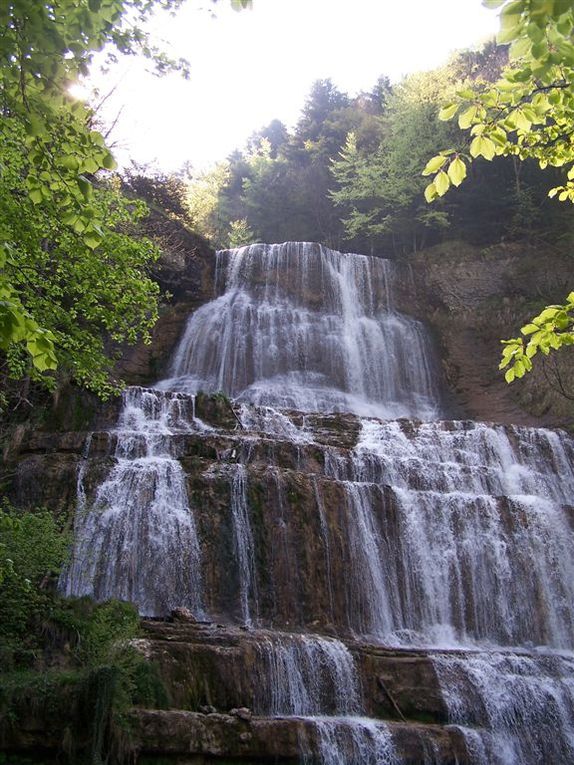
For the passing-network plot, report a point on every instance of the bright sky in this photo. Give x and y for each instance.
(251, 67)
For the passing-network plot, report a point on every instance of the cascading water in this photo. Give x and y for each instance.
(312, 677)
(523, 707)
(300, 326)
(479, 546)
(307, 675)
(243, 543)
(453, 535)
(137, 540)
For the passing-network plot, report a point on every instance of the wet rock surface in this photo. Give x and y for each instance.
(308, 574)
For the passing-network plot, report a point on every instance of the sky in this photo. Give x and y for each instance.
(251, 67)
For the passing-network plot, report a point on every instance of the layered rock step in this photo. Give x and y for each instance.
(225, 738)
(288, 697)
(424, 706)
(412, 532)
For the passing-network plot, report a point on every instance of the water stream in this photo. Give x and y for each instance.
(453, 535)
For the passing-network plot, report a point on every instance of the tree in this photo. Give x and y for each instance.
(240, 233)
(80, 295)
(51, 209)
(275, 133)
(323, 100)
(206, 204)
(527, 113)
(376, 188)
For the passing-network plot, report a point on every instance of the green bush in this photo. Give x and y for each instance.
(66, 657)
(32, 551)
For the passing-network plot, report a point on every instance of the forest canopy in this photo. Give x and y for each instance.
(349, 173)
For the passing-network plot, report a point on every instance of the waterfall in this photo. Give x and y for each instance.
(350, 741)
(311, 677)
(307, 675)
(243, 542)
(137, 540)
(301, 326)
(523, 707)
(453, 538)
(479, 546)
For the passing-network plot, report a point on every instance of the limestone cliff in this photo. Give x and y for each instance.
(304, 575)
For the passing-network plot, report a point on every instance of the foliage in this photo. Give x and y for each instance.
(279, 184)
(348, 174)
(378, 191)
(552, 329)
(240, 233)
(32, 550)
(50, 155)
(97, 673)
(206, 204)
(80, 295)
(47, 147)
(527, 113)
(166, 192)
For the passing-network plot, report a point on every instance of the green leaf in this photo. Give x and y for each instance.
(547, 313)
(92, 240)
(509, 375)
(442, 183)
(430, 193)
(35, 126)
(447, 112)
(36, 196)
(509, 34)
(482, 147)
(433, 165)
(466, 119)
(109, 162)
(85, 186)
(520, 48)
(69, 162)
(69, 218)
(561, 7)
(457, 171)
(535, 33)
(528, 329)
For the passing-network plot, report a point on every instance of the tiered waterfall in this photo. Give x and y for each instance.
(343, 521)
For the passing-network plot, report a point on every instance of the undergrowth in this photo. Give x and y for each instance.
(61, 659)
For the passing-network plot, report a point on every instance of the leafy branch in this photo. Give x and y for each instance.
(527, 113)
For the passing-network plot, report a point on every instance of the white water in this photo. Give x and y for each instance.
(243, 543)
(478, 546)
(523, 706)
(308, 676)
(350, 741)
(300, 326)
(137, 540)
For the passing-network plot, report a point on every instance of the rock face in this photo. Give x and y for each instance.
(186, 271)
(474, 297)
(319, 586)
